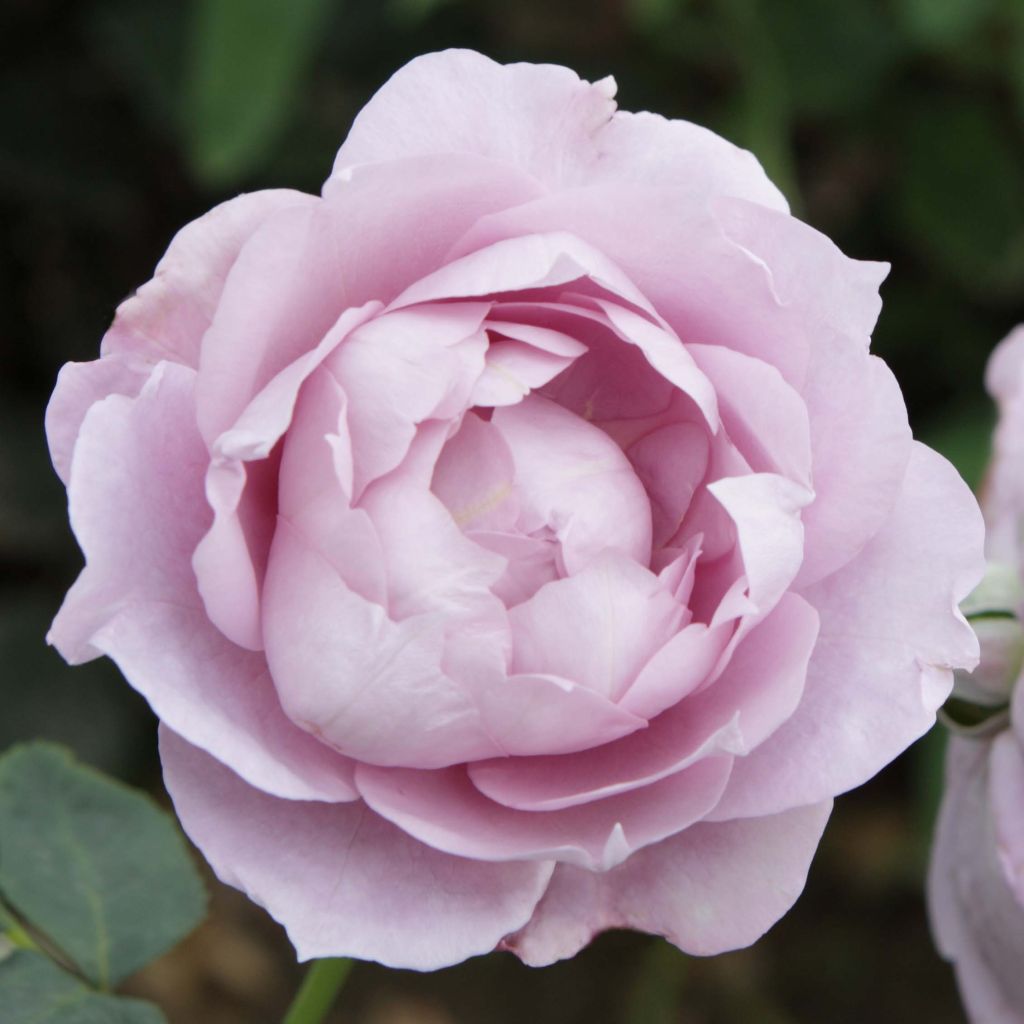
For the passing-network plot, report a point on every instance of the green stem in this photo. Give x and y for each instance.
(318, 991)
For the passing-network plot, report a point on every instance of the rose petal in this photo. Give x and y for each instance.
(230, 560)
(536, 117)
(671, 463)
(445, 810)
(398, 370)
(79, 386)
(1004, 484)
(650, 149)
(572, 478)
(755, 694)
(137, 508)
(341, 880)
(168, 316)
(598, 627)
(976, 918)
(316, 484)
(1006, 798)
(891, 635)
(513, 370)
(475, 478)
(765, 508)
(544, 119)
(301, 269)
(430, 564)
(546, 714)
(709, 889)
(372, 688)
(860, 442)
(764, 416)
(524, 262)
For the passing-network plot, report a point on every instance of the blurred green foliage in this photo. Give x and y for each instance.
(243, 66)
(895, 126)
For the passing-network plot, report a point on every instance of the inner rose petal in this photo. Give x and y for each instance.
(574, 479)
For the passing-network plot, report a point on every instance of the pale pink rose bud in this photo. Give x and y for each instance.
(518, 540)
(976, 878)
(993, 609)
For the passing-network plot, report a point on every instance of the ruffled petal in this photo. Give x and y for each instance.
(544, 119)
(445, 810)
(976, 917)
(537, 117)
(598, 627)
(341, 880)
(755, 694)
(168, 316)
(891, 635)
(709, 889)
(137, 508)
(765, 417)
(572, 478)
(80, 386)
(402, 368)
(299, 271)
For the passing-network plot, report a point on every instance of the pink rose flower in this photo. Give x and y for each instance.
(517, 541)
(976, 878)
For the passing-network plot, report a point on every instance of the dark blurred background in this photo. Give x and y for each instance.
(895, 126)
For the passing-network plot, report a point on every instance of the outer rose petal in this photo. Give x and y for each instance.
(711, 888)
(79, 386)
(977, 919)
(137, 508)
(891, 634)
(168, 316)
(341, 880)
(544, 119)
(861, 441)
(535, 117)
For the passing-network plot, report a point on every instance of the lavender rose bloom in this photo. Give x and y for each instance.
(976, 881)
(517, 541)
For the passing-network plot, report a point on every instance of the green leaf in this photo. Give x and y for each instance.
(94, 866)
(244, 62)
(35, 991)
(760, 118)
